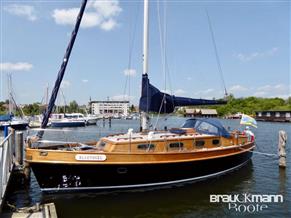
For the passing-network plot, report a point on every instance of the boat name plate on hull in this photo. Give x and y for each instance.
(90, 157)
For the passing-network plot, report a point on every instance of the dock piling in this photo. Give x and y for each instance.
(26, 167)
(109, 122)
(282, 148)
(19, 148)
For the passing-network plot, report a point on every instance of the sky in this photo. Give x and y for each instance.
(252, 40)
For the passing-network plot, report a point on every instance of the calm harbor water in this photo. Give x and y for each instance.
(260, 176)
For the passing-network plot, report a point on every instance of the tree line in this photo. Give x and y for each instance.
(250, 105)
(37, 108)
(247, 105)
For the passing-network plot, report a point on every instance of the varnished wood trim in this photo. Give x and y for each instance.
(131, 158)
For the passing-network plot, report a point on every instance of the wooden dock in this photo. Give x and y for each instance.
(44, 211)
(7, 160)
(11, 160)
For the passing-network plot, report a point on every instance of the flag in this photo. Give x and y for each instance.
(249, 121)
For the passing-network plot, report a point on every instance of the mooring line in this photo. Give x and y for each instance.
(263, 153)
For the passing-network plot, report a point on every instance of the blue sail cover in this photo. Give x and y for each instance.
(153, 100)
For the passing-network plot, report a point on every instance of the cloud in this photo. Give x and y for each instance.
(179, 92)
(270, 88)
(122, 98)
(255, 55)
(65, 84)
(108, 25)
(19, 66)
(265, 91)
(208, 94)
(68, 17)
(107, 8)
(26, 11)
(278, 90)
(167, 91)
(237, 88)
(129, 72)
(175, 92)
(207, 91)
(85, 80)
(100, 14)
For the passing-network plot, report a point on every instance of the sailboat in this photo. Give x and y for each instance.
(9, 120)
(68, 120)
(200, 149)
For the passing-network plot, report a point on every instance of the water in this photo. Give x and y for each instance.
(260, 176)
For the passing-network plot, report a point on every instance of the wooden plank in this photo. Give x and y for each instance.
(46, 211)
(6, 165)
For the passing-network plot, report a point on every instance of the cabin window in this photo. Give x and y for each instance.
(268, 114)
(200, 143)
(176, 145)
(145, 146)
(215, 141)
(207, 128)
(277, 114)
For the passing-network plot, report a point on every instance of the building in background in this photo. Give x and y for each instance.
(275, 116)
(197, 112)
(109, 108)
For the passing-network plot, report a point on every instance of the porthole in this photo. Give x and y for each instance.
(145, 146)
(200, 143)
(176, 145)
(215, 141)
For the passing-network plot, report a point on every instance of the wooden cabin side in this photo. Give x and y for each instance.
(138, 151)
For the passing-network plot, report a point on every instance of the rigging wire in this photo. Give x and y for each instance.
(163, 48)
(63, 95)
(216, 53)
(12, 96)
(130, 49)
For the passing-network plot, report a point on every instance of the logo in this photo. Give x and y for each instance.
(246, 203)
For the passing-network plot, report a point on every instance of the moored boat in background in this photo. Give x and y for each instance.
(13, 122)
(67, 120)
(91, 119)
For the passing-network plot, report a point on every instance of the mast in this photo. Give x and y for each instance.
(63, 66)
(144, 114)
(62, 70)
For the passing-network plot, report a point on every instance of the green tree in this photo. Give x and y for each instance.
(132, 109)
(31, 109)
(73, 107)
